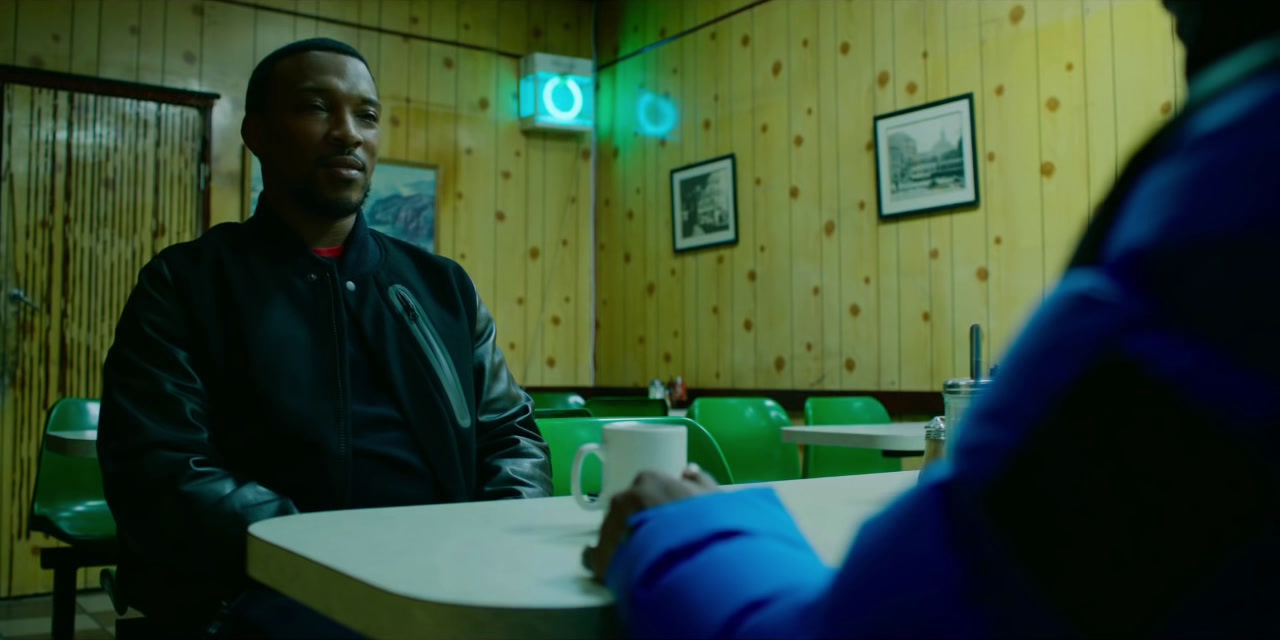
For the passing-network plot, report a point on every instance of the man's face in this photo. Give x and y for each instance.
(318, 137)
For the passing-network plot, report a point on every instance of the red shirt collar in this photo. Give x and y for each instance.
(329, 252)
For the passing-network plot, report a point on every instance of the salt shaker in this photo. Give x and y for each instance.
(935, 441)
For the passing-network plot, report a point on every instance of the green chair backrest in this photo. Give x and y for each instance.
(845, 461)
(626, 406)
(67, 501)
(845, 410)
(749, 432)
(565, 435)
(557, 400)
(542, 414)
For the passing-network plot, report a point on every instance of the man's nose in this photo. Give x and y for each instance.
(343, 132)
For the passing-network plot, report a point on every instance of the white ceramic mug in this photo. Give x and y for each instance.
(626, 449)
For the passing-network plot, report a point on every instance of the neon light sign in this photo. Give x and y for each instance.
(556, 93)
(656, 115)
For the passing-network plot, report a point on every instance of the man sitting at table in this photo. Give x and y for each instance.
(299, 361)
(1120, 476)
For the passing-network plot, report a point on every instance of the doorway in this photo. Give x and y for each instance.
(96, 177)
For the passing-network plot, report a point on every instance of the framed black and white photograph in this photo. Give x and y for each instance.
(401, 202)
(704, 205)
(925, 158)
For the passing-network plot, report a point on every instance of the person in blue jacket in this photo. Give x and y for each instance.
(1119, 477)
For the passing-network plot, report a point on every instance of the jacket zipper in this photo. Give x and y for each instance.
(342, 399)
(431, 345)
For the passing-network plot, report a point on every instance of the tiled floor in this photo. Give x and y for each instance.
(29, 618)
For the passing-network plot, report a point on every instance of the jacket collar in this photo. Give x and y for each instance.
(1233, 69)
(279, 242)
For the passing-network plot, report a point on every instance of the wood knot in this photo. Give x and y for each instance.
(1016, 14)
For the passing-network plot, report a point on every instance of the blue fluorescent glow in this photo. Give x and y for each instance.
(655, 115)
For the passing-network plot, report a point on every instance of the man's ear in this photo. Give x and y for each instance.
(251, 131)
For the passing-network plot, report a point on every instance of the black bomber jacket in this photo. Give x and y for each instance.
(226, 396)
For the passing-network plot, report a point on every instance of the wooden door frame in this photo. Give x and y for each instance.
(201, 100)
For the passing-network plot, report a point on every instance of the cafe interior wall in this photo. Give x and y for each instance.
(513, 208)
(819, 293)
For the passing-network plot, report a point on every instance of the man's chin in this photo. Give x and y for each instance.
(334, 210)
(333, 207)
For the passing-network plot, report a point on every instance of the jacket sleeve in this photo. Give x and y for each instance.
(681, 573)
(513, 460)
(174, 502)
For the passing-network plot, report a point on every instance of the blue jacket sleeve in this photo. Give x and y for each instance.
(730, 564)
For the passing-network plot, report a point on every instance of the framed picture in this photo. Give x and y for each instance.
(704, 204)
(401, 203)
(925, 158)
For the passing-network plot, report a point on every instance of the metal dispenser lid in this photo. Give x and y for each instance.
(964, 386)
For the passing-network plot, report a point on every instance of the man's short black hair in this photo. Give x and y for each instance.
(259, 91)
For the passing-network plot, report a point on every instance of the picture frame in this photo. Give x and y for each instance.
(704, 204)
(926, 159)
(401, 202)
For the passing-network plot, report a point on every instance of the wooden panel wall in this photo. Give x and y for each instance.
(819, 293)
(514, 209)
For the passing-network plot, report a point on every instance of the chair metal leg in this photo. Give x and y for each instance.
(64, 603)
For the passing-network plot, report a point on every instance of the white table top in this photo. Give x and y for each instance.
(495, 569)
(894, 436)
(78, 444)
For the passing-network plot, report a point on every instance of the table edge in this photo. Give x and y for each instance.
(399, 612)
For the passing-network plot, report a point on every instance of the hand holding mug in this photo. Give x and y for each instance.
(625, 449)
(650, 489)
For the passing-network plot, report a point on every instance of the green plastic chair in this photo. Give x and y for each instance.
(557, 400)
(565, 435)
(68, 504)
(626, 406)
(749, 432)
(845, 461)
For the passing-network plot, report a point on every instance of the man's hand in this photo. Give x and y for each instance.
(650, 489)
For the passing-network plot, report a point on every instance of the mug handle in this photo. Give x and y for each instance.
(575, 476)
